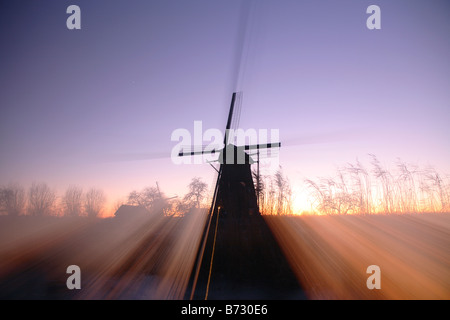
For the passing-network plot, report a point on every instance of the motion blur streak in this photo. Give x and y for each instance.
(330, 254)
(133, 258)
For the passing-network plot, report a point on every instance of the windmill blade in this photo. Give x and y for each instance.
(261, 146)
(267, 149)
(230, 116)
(240, 59)
(237, 111)
(196, 153)
(240, 56)
(193, 151)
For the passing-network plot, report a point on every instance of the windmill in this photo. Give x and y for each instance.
(235, 227)
(235, 192)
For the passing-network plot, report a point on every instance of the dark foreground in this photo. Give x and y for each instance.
(149, 257)
(269, 257)
(247, 263)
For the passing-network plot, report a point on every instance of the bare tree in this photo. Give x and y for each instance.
(72, 201)
(152, 199)
(134, 198)
(12, 199)
(197, 190)
(41, 199)
(181, 207)
(145, 198)
(94, 200)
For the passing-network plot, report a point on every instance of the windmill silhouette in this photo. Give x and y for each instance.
(234, 193)
(238, 256)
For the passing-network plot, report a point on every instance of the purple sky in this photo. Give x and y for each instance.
(75, 103)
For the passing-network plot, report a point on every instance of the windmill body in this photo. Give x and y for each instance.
(235, 193)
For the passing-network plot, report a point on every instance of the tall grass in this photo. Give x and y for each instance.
(357, 190)
(274, 194)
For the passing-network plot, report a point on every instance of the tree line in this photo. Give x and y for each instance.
(154, 200)
(353, 190)
(41, 200)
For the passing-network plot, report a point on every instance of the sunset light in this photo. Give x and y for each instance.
(224, 150)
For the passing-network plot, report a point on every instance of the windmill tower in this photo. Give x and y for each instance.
(235, 192)
(237, 245)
